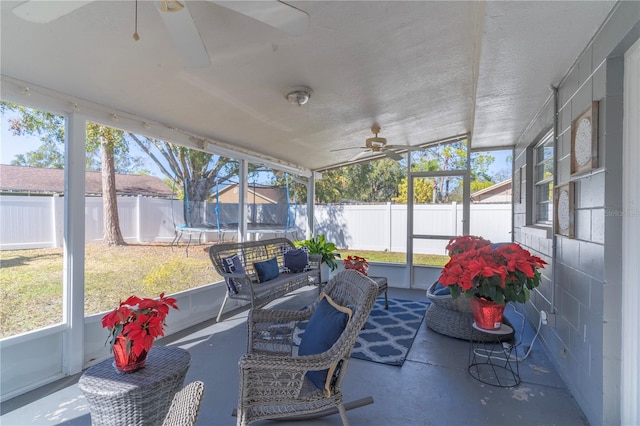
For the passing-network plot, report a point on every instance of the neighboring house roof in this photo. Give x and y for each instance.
(263, 193)
(37, 180)
(497, 193)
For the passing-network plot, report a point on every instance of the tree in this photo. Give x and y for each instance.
(383, 179)
(423, 189)
(106, 141)
(372, 182)
(195, 172)
(446, 189)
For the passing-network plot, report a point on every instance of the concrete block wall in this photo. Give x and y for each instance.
(582, 284)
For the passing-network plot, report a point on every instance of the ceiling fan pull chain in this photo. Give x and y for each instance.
(136, 37)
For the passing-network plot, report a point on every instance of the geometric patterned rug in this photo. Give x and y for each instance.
(389, 334)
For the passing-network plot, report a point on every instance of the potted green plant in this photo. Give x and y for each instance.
(324, 250)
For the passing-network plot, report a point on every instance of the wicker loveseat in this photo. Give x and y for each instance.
(236, 262)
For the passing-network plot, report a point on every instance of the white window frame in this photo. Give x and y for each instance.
(545, 143)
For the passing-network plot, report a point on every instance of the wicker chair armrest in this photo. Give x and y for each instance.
(236, 276)
(185, 406)
(245, 279)
(277, 316)
(271, 331)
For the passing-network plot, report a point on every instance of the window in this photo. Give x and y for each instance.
(543, 178)
(31, 274)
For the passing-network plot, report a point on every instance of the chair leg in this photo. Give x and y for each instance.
(343, 415)
(224, 302)
(241, 420)
(327, 412)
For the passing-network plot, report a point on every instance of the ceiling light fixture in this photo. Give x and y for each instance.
(298, 95)
(171, 6)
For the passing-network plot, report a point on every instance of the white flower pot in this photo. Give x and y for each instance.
(325, 272)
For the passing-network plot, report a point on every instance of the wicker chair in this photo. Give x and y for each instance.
(185, 406)
(273, 383)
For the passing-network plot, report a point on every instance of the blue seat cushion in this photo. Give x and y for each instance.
(230, 265)
(441, 290)
(267, 270)
(323, 330)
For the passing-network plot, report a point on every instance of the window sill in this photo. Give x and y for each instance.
(538, 231)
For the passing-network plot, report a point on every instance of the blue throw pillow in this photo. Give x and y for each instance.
(296, 260)
(230, 265)
(267, 270)
(323, 330)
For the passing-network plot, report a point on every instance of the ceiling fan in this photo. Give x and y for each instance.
(179, 22)
(376, 145)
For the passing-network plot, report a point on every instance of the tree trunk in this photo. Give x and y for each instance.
(111, 228)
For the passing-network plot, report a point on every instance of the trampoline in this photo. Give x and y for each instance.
(271, 211)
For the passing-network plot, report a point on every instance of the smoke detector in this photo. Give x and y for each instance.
(298, 95)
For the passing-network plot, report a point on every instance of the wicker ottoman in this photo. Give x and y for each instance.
(453, 317)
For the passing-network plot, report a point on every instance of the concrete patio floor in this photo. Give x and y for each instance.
(433, 387)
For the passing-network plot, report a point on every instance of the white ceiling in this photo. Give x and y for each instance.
(423, 70)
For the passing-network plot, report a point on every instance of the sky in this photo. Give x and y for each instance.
(10, 146)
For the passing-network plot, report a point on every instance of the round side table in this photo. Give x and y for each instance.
(493, 360)
(139, 398)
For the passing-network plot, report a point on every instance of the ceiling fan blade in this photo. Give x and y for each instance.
(399, 146)
(344, 149)
(393, 155)
(186, 37)
(360, 155)
(271, 12)
(42, 12)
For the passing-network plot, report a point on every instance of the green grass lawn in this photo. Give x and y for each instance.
(31, 280)
(396, 257)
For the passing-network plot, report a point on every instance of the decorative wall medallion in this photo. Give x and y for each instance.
(516, 184)
(563, 211)
(563, 201)
(584, 140)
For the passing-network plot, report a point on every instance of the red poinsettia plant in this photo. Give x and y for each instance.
(502, 274)
(139, 321)
(465, 243)
(358, 263)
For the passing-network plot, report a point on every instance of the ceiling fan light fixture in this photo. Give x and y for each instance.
(376, 142)
(171, 6)
(298, 95)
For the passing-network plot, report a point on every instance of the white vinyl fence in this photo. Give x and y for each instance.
(34, 222)
(383, 227)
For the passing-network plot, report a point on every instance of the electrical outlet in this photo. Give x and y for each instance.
(548, 318)
(544, 317)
